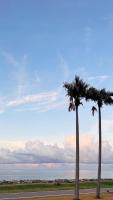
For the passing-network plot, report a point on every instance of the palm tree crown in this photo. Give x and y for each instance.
(100, 97)
(76, 91)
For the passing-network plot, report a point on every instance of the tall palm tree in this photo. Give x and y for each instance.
(100, 97)
(76, 91)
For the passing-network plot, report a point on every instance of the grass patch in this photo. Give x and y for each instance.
(50, 186)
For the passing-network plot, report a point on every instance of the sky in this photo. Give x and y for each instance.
(42, 45)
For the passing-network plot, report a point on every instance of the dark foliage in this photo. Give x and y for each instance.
(93, 110)
(76, 91)
(100, 97)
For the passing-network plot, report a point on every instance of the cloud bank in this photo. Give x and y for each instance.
(37, 152)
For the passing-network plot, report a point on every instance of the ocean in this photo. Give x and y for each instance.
(33, 172)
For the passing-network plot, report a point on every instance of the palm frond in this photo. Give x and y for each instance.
(108, 101)
(94, 109)
(91, 94)
(71, 104)
(70, 107)
(110, 93)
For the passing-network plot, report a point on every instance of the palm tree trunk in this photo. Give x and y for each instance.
(76, 194)
(99, 156)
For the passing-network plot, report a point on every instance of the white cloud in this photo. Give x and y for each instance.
(37, 152)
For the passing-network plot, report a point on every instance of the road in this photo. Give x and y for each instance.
(20, 195)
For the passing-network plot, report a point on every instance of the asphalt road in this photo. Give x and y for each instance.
(16, 196)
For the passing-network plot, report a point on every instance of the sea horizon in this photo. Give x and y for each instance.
(29, 173)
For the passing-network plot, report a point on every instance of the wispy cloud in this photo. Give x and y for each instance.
(109, 19)
(99, 78)
(42, 108)
(24, 99)
(2, 104)
(88, 33)
(40, 102)
(10, 58)
(37, 78)
(88, 38)
(64, 67)
(36, 98)
(18, 73)
(82, 72)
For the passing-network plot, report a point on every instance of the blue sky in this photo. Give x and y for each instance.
(42, 45)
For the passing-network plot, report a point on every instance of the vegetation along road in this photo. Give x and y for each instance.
(34, 187)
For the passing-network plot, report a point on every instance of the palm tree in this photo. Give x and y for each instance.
(100, 97)
(76, 91)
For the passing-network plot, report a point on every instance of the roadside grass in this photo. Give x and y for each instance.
(51, 186)
(105, 196)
